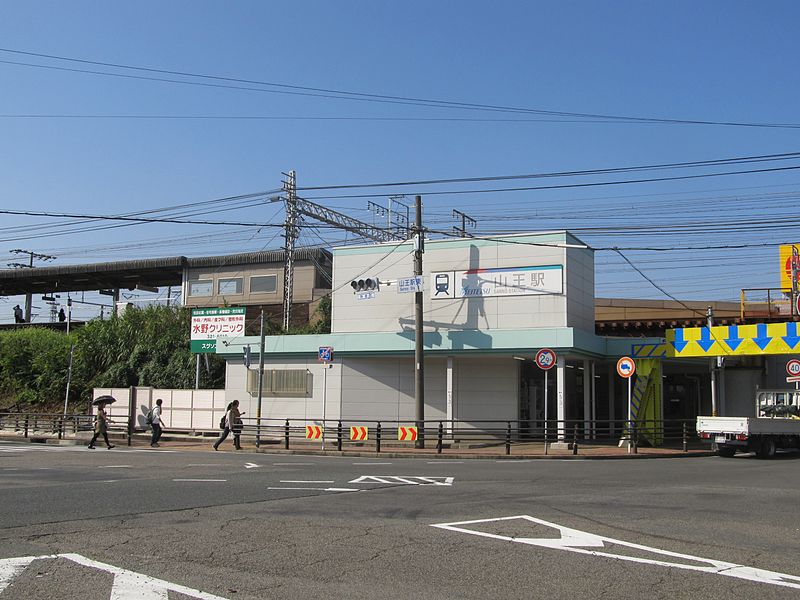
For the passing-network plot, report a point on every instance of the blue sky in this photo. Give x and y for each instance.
(723, 61)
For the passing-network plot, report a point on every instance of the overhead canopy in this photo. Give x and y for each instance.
(153, 272)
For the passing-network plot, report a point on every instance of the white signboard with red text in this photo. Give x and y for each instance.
(208, 324)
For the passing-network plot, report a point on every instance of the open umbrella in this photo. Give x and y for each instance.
(104, 400)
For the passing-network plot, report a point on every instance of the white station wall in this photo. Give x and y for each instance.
(391, 311)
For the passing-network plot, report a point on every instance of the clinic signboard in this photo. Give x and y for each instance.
(485, 283)
(208, 324)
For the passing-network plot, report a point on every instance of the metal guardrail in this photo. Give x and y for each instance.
(441, 433)
(61, 425)
(437, 434)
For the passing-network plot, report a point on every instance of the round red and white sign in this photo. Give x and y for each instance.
(545, 359)
(793, 367)
(626, 367)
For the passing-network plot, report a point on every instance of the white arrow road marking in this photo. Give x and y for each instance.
(11, 567)
(128, 585)
(251, 466)
(404, 480)
(573, 540)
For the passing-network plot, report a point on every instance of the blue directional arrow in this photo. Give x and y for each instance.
(678, 343)
(733, 340)
(791, 338)
(705, 341)
(761, 339)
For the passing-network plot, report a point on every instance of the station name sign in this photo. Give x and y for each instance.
(483, 283)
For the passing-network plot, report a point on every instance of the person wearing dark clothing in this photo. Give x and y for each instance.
(62, 316)
(155, 423)
(101, 427)
(233, 423)
(18, 318)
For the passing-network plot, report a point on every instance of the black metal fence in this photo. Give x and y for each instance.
(374, 435)
(440, 434)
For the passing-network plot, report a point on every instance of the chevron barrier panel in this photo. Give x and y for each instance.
(313, 432)
(359, 433)
(406, 434)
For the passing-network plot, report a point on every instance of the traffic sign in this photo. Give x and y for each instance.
(359, 432)
(545, 359)
(406, 285)
(793, 367)
(406, 434)
(794, 379)
(313, 432)
(626, 367)
(325, 354)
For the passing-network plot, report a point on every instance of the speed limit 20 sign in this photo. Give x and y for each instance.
(545, 359)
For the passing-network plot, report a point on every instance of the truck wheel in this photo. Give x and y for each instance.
(766, 449)
(726, 451)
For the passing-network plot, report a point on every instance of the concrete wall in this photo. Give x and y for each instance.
(191, 410)
(382, 388)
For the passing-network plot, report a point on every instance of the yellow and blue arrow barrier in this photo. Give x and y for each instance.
(733, 340)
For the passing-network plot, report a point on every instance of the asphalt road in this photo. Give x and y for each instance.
(240, 525)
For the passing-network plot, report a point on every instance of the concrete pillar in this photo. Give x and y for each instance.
(587, 398)
(450, 395)
(561, 364)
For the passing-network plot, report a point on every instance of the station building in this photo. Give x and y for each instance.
(489, 305)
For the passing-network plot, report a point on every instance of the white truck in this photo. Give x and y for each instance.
(776, 425)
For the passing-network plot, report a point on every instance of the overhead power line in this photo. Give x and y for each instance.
(364, 96)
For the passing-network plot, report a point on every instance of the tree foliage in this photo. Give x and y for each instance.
(142, 347)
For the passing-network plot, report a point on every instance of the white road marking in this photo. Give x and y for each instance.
(214, 480)
(316, 488)
(371, 463)
(127, 585)
(449, 462)
(115, 467)
(303, 481)
(109, 481)
(251, 466)
(404, 480)
(573, 540)
(293, 464)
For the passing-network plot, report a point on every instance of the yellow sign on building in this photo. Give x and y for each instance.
(734, 340)
(786, 265)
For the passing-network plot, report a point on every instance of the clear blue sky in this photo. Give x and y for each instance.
(722, 61)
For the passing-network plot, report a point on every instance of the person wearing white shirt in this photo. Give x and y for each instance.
(156, 424)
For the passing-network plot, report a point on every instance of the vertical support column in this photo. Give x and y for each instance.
(561, 364)
(611, 402)
(450, 393)
(587, 398)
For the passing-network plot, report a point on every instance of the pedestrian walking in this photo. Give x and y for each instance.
(18, 318)
(101, 422)
(233, 423)
(154, 418)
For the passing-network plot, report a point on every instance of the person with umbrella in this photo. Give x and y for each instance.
(101, 421)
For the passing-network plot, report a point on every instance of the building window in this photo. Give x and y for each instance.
(228, 287)
(201, 287)
(280, 382)
(263, 284)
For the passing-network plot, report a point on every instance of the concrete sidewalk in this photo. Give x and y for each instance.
(391, 449)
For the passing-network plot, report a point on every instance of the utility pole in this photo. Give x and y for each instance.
(290, 187)
(710, 322)
(260, 381)
(465, 220)
(30, 265)
(419, 356)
